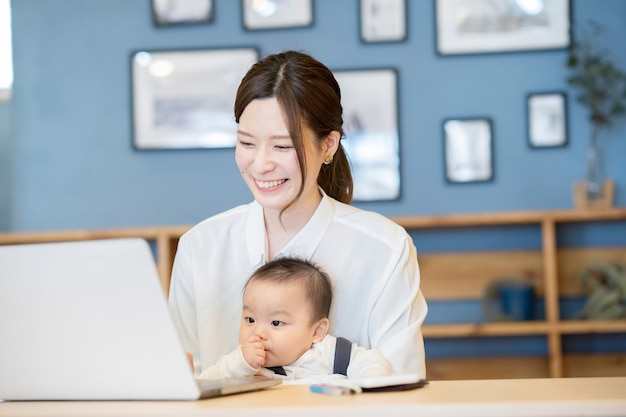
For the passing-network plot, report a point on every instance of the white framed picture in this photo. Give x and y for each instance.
(547, 119)
(183, 99)
(182, 12)
(492, 26)
(383, 20)
(277, 14)
(468, 150)
(370, 102)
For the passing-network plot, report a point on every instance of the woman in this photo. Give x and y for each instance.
(289, 153)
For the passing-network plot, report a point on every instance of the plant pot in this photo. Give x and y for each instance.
(594, 183)
(582, 198)
(594, 192)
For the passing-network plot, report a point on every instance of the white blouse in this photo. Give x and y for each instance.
(377, 302)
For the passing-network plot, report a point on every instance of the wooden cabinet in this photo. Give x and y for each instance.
(461, 275)
(555, 273)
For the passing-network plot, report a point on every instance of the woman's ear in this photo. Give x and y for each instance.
(332, 143)
(320, 330)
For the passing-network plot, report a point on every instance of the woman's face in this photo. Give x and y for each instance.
(267, 159)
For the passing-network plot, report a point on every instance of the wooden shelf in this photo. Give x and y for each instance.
(509, 218)
(523, 328)
(486, 329)
(148, 233)
(163, 238)
(592, 326)
(553, 271)
(605, 365)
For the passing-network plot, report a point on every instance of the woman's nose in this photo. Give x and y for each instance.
(263, 160)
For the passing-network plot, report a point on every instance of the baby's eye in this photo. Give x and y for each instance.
(277, 323)
(249, 320)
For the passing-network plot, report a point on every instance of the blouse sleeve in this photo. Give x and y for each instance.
(367, 363)
(398, 314)
(182, 303)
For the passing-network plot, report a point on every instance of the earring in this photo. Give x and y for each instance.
(328, 160)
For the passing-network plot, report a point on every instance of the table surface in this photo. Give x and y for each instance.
(549, 397)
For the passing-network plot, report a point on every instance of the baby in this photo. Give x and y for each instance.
(284, 326)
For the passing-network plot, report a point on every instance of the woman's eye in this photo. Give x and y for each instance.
(249, 320)
(284, 147)
(245, 144)
(276, 323)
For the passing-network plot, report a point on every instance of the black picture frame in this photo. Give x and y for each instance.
(468, 150)
(183, 98)
(369, 97)
(383, 21)
(501, 26)
(276, 14)
(170, 13)
(546, 115)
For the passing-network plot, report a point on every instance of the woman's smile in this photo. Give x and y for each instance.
(268, 185)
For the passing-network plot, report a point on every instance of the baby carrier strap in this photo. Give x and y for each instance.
(343, 349)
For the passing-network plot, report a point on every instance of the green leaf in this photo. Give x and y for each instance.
(572, 60)
(600, 83)
(618, 109)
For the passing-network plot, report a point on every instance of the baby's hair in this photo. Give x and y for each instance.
(313, 280)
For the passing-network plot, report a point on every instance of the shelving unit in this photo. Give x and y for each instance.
(554, 271)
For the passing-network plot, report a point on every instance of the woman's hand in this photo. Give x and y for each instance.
(254, 352)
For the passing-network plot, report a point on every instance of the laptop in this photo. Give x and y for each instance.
(89, 320)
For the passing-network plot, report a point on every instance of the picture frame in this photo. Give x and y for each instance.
(276, 14)
(497, 26)
(547, 119)
(183, 99)
(468, 150)
(371, 125)
(383, 20)
(181, 12)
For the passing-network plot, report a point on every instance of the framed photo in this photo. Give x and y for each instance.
(491, 26)
(183, 99)
(468, 150)
(277, 14)
(383, 20)
(547, 119)
(181, 12)
(370, 102)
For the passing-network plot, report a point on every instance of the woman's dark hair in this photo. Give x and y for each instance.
(309, 95)
(313, 280)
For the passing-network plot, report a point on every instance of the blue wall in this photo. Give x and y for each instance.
(5, 166)
(66, 136)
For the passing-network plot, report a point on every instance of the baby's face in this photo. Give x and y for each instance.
(280, 316)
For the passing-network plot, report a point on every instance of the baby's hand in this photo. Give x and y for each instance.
(253, 352)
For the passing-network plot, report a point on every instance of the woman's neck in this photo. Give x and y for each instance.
(281, 228)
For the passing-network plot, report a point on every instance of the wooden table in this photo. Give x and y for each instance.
(550, 397)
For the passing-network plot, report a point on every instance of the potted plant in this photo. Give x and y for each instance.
(601, 87)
